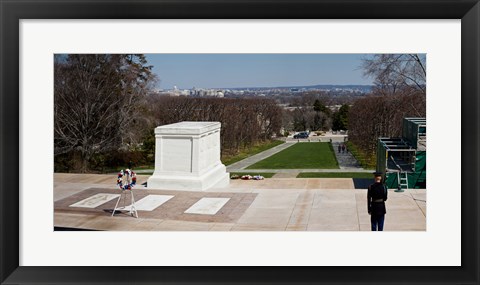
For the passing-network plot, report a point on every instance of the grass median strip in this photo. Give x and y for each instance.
(264, 174)
(301, 156)
(335, 175)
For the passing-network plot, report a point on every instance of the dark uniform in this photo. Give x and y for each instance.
(376, 197)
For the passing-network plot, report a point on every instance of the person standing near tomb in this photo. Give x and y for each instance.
(376, 197)
(339, 148)
(343, 148)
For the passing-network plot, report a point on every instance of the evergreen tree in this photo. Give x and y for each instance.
(340, 118)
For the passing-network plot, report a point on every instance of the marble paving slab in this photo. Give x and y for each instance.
(149, 203)
(95, 200)
(207, 206)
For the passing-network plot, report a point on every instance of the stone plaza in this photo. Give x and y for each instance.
(275, 204)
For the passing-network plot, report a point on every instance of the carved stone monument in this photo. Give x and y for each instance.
(187, 157)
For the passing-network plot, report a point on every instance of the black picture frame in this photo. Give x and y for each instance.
(13, 11)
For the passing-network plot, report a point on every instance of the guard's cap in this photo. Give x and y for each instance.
(378, 173)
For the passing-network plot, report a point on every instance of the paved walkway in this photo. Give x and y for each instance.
(242, 164)
(327, 137)
(346, 161)
(317, 139)
(283, 204)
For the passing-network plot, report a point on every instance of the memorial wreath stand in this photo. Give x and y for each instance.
(128, 187)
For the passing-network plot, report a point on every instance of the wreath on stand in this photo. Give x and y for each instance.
(131, 179)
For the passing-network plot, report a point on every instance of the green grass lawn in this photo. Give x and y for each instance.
(264, 174)
(250, 151)
(335, 175)
(301, 156)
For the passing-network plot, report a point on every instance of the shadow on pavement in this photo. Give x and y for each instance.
(362, 183)
(65, 229)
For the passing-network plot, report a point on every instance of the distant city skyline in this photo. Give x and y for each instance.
(186, 71)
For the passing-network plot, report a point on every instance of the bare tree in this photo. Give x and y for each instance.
(400, 91)
(244, 121)
(381, 116)
(97, 100)
(394, 72)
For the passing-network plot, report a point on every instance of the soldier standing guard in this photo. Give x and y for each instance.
(376, 197)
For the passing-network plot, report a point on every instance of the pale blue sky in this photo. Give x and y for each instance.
(256, 70)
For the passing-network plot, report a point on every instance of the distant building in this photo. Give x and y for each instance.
(173, 92)
(206, 92)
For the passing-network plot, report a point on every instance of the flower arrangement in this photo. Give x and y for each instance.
(249, 177)
(131, 179)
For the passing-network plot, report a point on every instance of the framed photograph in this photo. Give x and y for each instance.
(193, 142)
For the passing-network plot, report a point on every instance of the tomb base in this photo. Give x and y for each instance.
(216, 178)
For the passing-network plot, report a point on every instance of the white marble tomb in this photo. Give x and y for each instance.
(187, 157)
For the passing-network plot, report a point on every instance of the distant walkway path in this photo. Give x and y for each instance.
(346, 161)
(242, 164)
